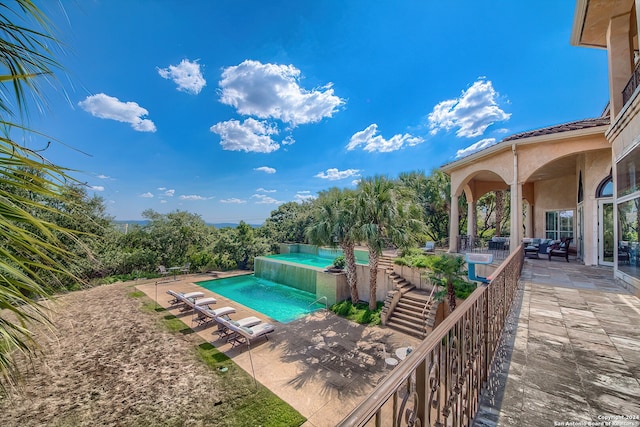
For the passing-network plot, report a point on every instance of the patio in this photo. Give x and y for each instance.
(572, 354)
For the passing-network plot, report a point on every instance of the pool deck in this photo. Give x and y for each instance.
(322, 365)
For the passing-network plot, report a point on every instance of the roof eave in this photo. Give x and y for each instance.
(578, 23)
(503, 145)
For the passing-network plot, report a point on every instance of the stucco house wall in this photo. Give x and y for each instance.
(552, 194)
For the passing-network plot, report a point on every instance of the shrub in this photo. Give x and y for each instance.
(358, 313)
(339, 262)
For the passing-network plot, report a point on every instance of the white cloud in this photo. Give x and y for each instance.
(288, 140)
(162, 188)
(249, 136)
(107, 107)
(97, 188)
(472, 113)
(170, 193)
(233, 200)
(146, 195)
(192, 197)
(265, 169)
(334, 174)
(101, 176)
(273, 91)
(355, 182)
(264, 199)
(262, 190)
(373, 142)
(186, 75)
(480, 145)
(303, 196)
(163, 201)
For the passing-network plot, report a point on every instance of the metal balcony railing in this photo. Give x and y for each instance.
(632, 84)
(440, 382)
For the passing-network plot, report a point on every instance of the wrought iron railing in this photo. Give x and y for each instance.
(632, 84)
(440, 382)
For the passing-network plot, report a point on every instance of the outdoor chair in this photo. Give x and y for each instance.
(429, 247)
(244, 335)
(185, 269)
(163, 270)
(223, 328)
(388, 361)
(178, 296)
(561, 249)
(206, 314)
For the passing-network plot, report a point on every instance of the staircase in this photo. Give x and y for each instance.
(407, 309)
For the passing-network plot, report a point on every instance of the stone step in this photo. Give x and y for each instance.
(409, 330)
(411, 305)
(408, 317)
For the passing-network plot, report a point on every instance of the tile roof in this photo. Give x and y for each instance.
(565, 127)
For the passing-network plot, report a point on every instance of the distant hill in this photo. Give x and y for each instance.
(122, 224)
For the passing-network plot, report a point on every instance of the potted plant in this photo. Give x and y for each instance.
(338, 264)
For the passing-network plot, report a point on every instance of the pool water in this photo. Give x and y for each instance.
(304, 259)
(280, 302)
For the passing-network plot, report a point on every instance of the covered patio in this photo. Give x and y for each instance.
(559, 184)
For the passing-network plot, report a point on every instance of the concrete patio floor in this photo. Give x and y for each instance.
(573, 354)
(322, 365)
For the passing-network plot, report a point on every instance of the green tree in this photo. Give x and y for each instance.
(335, 225)
(288, 223)
(29, 245)
(447, 271)
(384, 220)
(433, 194)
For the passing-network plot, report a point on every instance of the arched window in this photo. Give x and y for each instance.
(605, 189)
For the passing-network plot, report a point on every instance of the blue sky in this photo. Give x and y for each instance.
(229, 108)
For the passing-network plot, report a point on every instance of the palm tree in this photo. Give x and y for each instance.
(447, 271)
(335, 225)
(31, 251)
(384, 219)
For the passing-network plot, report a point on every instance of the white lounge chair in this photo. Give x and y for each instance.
(244, 335)
(178, 296)
(223, 330)
(192, 303)
(206, 314)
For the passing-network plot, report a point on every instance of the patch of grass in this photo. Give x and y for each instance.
(136, 294)
(249, 403)
(358, 313)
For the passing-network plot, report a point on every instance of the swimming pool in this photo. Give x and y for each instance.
(304, 259)
(280, 302)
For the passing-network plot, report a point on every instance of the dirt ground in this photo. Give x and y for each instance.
(109, 363)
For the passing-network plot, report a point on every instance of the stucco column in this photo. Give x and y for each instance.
(528, 219)
(516, 215)
(620, 58)
(471, 219)
(453, 225)
(516, 204)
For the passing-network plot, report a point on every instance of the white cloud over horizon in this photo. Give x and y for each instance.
(263, 190)
(233, 200)
(187, 75)
(373, 142)
(333, 174)
(146, 195)
(264, 199)
(108, 107)
(472, 113)
(193, 197)
(480, 145)
(303, 196)
(249, 136)
(265, 169)
(274, 91)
